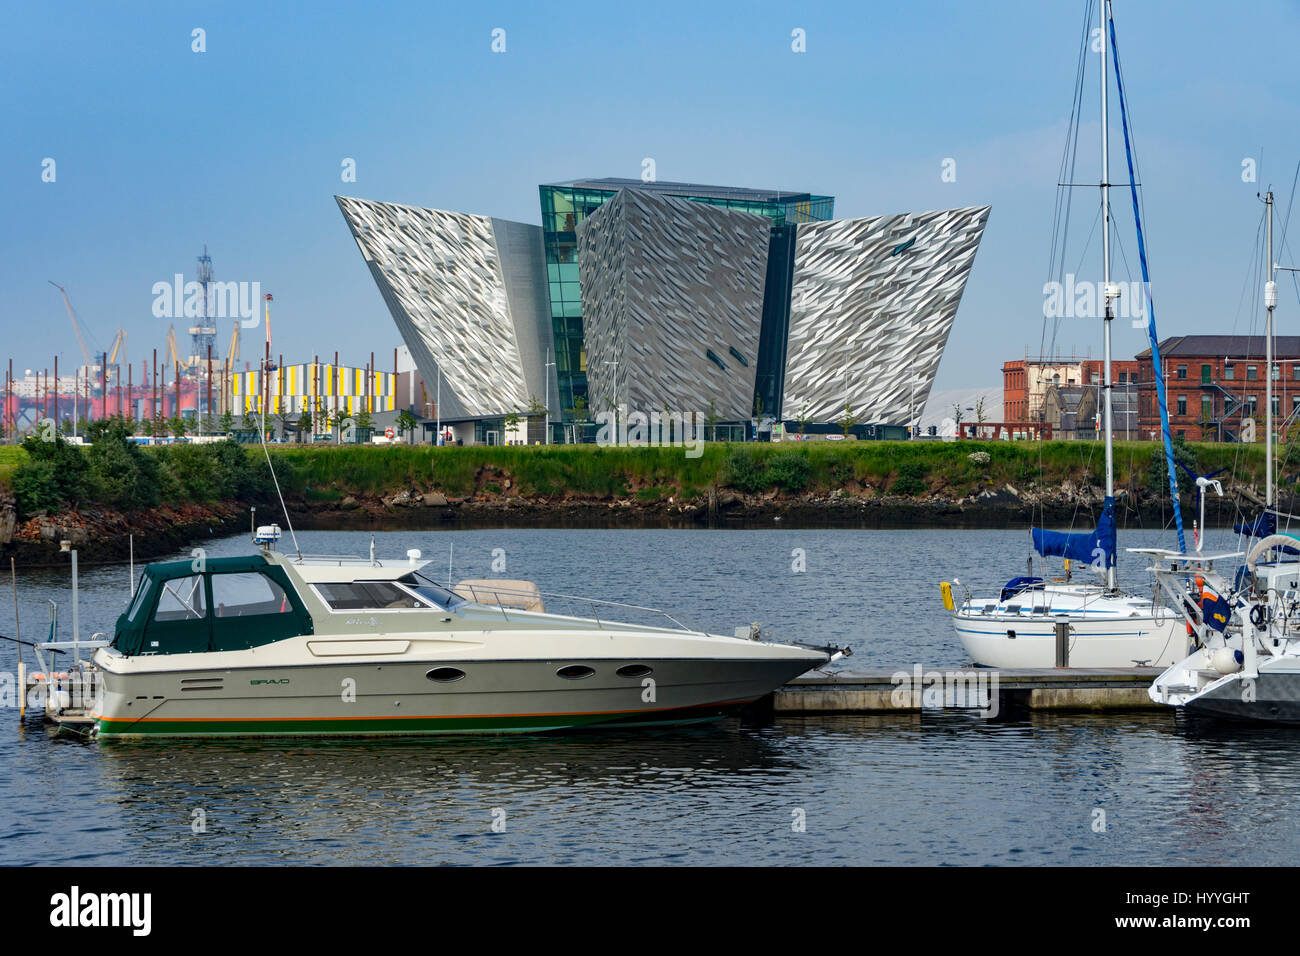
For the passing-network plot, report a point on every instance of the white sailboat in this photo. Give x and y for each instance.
(1246, 663)
(1017, 627)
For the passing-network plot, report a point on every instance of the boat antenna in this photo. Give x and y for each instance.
(266, 451)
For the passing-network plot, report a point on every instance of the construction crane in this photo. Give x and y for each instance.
(232, 352)
(119, 345)
(76, 325)
(171, 349)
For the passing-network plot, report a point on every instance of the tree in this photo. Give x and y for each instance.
(805, 416)
(712, 420)
(406, 422)
(980, 416)
(511, 422)
(227, 422)
(847, 420)
(178, 426)
(304, 423)
(957, 416)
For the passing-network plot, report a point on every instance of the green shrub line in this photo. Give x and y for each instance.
(114, 473)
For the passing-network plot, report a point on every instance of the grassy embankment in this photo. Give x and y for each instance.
(134, 478)
(324, 474)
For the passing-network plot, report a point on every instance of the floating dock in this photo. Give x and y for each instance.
(921, 689)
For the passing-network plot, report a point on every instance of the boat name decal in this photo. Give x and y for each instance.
(282, 680)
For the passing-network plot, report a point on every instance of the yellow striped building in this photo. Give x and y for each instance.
(314, 387)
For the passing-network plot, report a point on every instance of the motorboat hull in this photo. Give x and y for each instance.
(398, 698)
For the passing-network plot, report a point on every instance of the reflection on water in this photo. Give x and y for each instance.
(946, 789)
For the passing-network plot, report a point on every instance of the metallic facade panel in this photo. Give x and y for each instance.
(665, 281)
(467, 295)
(871, 306)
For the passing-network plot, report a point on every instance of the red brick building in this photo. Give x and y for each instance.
(1215, 383)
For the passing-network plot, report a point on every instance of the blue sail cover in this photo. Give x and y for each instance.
(1261, 527)
(1083, 546)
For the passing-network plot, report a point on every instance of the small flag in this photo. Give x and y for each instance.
(1215, 610)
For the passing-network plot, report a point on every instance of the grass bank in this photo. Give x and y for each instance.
(113, 474)
(908, 469)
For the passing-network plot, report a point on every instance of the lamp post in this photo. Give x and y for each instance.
(547, 397)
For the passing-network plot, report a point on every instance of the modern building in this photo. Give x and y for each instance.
(742, 304)
(315, 387)
(672, 302)
(469, 297)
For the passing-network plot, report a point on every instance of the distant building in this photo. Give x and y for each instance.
(745, 304)
(1064, 393)
(1215, 386)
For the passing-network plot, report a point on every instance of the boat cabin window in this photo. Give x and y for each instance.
(141, 593)
(247, 594)
(367, 596)
(182, 599)
(431, 590)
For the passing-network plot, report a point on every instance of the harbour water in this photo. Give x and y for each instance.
(897, 789)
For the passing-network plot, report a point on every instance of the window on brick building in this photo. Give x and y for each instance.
(1227, 371)
(1252, 373)
(1182, 404)
(1182, 371)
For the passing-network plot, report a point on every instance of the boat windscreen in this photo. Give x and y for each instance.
(431, 590)
(141, 593)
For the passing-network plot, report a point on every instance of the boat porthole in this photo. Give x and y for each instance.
(574, 672)
(635, 670)
(445, 675)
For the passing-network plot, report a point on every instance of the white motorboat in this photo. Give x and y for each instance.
(280, 644)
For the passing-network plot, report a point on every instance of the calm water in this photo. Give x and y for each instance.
(901, 789)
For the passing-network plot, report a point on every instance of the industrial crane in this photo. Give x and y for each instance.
(171, 348)
(119, 345)
(76, 325)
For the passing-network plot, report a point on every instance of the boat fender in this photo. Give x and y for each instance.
(945, 591)
(1259, 615)
(1226, 660)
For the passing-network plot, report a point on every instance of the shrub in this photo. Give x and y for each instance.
(55, 475)
(789, 471)
(745, 471)
(910, 480)
(36, 488)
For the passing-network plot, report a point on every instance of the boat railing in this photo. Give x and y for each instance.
(492, 597)
(338, 559)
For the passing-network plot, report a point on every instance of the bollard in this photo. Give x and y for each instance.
(1062, 642)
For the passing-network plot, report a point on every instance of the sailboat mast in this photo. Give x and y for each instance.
(1107, 420)
(1268, 352)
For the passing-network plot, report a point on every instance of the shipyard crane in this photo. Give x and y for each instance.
(171, 349)
(76, 325)
(232, 352)
(119, 345)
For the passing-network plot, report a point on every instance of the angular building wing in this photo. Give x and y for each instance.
(468, 295)
(871, 306)
(672, 301)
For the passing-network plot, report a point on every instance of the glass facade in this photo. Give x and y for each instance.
(564, 205)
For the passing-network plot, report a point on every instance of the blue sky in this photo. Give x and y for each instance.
(159, 149)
